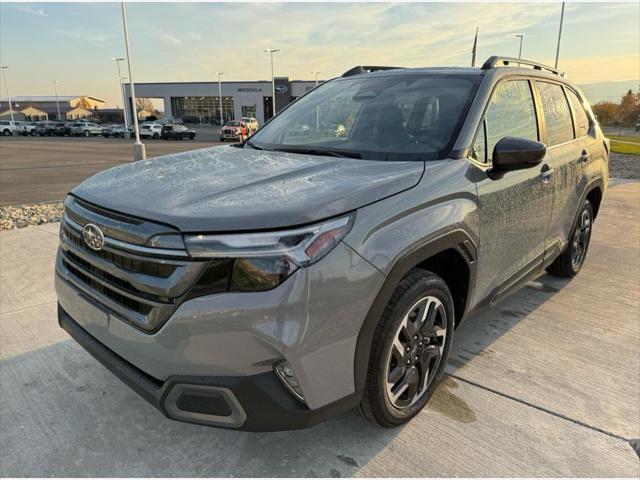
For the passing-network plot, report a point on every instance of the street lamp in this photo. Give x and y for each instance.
(124, 99)
(271, 51)
(521, 37)
(139, 152)
(4, 68)
(55, 90)
(315, 72)
(219, 74)
(559, 35)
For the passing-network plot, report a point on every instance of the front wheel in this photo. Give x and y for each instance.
(409, 350)
(6, 132)
(156, 136)
(570, 262)
(87, 133)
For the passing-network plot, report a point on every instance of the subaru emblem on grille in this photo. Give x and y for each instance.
(93, 236)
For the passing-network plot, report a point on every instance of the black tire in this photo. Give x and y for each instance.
(192, 136)
(569, 263)
(87, 133)
(156, 136)
(6, 132)
(376, 406)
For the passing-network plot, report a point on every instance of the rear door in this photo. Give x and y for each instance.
(515, 208)
(569, 146)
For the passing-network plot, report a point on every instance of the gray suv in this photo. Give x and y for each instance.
(272, 284)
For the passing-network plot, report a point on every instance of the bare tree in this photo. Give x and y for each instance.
(143, 103)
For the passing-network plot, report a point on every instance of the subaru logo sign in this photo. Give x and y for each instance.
(281, 89)
(93, 236)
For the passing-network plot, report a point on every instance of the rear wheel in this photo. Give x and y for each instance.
(156, 136)
(570, 262)
(409, 351)
(6, 132)
(87, 133)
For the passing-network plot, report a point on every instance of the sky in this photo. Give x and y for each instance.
(74, 42)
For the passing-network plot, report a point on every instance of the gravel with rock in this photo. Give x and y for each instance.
(624, 166)
(20, 216)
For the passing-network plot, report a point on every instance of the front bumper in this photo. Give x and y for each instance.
(253, 402)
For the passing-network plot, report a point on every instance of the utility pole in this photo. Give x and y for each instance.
(219, 74)
(124, 97)
(55, 90)
(4, 68)
(139, 152)
(475, 47)
(315, 72)
(559, 35)
(271, 51)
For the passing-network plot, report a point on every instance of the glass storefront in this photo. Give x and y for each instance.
(202, 109)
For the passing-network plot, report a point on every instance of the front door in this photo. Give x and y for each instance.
(514, 208)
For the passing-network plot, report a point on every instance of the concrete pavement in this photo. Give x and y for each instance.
(547, 383)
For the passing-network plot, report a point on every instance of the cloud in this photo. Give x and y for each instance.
(93, 38)
(168, 38)
(33, 11)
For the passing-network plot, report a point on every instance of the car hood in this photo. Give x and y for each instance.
(233, 189)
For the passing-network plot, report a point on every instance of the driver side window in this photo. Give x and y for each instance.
(511, 112)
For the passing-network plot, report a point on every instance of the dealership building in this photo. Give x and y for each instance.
(200, 101)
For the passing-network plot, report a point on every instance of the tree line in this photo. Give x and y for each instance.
(626, 113)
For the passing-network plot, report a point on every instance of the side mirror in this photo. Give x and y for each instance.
(517, 153)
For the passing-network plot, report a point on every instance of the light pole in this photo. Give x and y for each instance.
(559, 35)
(271, 51)
(219, 74)
(315, 72)
(521, 37)
(124, 100)
(55, 90)
(4, 68)
(139, 152)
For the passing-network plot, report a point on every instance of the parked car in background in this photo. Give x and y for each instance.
(7, 128)
(151, 130)
(86, 129)
(251, 123)
(63, 129)
(234, 130)
(25, 128)
(177, 132)
(46, 129)
(115, 131)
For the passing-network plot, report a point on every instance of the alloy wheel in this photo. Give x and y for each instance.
(581, 239)
(416, 352)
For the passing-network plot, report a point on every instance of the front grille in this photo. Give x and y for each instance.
(122, 300)
(139, 284)
(128, 263)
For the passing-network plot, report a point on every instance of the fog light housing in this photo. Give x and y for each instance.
(288, 378)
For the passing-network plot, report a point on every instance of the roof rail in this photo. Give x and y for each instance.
(497, 61)
(366, 69)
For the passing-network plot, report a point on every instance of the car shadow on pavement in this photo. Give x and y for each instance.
(476, 335)
(63, 414)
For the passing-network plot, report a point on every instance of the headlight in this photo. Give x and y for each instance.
(262, 261)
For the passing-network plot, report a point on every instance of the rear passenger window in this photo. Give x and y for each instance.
(557, 117)
(511, 113)
(579, 115)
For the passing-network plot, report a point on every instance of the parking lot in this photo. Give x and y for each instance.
(544, 384)
(44, 169)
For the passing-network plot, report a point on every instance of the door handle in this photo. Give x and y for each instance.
(584, 157)
(546, 173)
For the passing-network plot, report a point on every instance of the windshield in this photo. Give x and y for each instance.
(388, 117)
(232, 124)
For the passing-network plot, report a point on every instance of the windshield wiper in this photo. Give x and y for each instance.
(319, 151)
(253, 145)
